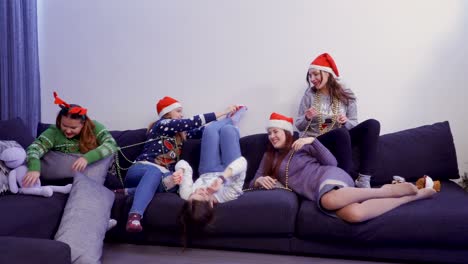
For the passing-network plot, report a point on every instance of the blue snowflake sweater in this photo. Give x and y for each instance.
(164, 144)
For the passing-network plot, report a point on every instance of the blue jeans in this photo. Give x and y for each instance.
(219, 146)
(144, 180)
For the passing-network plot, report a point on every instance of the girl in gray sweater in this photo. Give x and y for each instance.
(327, 106)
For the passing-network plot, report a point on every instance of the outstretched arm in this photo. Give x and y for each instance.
(168, 127)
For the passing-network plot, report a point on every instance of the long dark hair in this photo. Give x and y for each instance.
(336, 90)
(271, 167)
(194, 217)
(87, 139)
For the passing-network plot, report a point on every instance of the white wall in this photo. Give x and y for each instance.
(405, 60)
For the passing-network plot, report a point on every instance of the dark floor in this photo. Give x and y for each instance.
(132, 254)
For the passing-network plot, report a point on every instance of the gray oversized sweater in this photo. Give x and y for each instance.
(326, 109)
(312, 167)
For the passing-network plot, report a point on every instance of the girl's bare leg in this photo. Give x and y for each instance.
(359, 212)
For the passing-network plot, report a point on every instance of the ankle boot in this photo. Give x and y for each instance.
(133, 223)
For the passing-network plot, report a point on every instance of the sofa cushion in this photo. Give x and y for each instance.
(85, 219)
(21, 250)
(31, 216)
(191, 153)
(252, 148)
(414, 152)
(56, 165)
(15, 129)
(275, 214)
(438, 221)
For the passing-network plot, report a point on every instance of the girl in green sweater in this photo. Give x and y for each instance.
(73, 132)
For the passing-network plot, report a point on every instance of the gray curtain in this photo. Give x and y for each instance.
(20, 94)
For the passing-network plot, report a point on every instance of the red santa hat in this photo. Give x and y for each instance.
(281, 121)
(325, 62)
(166, 105)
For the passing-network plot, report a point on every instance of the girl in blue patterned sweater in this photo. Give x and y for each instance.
(149, 174)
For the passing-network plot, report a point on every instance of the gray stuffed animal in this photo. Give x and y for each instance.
(14, 159)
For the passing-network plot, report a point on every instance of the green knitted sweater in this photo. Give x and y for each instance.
(54, 139)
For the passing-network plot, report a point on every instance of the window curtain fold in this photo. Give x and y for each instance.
(19, 62)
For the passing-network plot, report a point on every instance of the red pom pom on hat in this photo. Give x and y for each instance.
(166, 105)
(325, 62)
(281, 121)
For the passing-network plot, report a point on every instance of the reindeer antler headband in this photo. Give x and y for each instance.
(71, 109)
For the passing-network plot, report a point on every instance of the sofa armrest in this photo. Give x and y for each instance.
(22, 250)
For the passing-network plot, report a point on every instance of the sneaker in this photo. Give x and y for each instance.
(363, 181)
(133, 223)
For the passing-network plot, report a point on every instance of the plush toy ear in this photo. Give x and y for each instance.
(437, 186)
(421, 183)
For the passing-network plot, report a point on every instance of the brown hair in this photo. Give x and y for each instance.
(335, 89)
(271, 167)
(87, 139)
(194, 217)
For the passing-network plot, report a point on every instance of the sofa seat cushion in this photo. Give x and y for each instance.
(438, 221)
(253, 213)
(31, 216)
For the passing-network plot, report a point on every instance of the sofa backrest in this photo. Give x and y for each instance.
(412, 153)
(408, 153)
(415, 152)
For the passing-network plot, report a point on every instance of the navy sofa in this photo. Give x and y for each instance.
(278, 221)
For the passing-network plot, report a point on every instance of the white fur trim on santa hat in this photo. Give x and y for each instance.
(323, 68)
(281, 124)
(169, 108)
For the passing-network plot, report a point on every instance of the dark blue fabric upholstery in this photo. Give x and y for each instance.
(15, 129)
(20, 250)
(131, 142)
(31, 216)
(430, 230)
(438, 221)
(414, 152)
(275, 214)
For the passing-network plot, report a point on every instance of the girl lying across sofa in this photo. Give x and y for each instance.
(310, 170)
